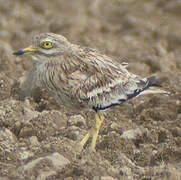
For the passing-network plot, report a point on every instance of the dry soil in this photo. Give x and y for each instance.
(140, 140)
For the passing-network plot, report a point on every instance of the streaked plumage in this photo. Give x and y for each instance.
(82, 78)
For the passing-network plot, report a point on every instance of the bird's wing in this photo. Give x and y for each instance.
(101, 92)
(103, 83)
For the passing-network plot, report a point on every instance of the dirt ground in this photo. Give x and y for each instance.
(140, 140)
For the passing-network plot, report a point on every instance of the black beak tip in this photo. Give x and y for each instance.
(19, 52)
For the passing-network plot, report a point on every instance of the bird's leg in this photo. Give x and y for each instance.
(86, 138)
(93, 131)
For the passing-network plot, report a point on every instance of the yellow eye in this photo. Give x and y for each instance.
(47, 45)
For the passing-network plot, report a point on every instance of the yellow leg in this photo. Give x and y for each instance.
(85, 139)
(94, 131)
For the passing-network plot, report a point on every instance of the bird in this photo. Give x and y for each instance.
(83, 79)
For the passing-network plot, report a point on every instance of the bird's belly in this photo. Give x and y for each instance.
(69, 102)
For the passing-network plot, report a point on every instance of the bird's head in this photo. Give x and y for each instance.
(46, 45)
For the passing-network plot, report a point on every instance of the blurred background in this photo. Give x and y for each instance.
(144, 33)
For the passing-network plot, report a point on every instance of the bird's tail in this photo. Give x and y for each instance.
(152, 88)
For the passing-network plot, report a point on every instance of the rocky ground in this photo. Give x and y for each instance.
(140, 140)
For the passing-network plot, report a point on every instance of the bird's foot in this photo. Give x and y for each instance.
(93, 132)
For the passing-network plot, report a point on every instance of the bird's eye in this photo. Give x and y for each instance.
(47, 45)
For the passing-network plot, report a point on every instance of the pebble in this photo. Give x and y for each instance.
(107, 178)
(45, 174)
(176, 132)
(68, 178)
(57, 160)
(132, 134)
(103, 178)
(7, 135)
(77, 120)
(24, 154)
(27, 131)
(34, 141)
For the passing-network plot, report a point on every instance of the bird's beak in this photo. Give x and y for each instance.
(27, 50)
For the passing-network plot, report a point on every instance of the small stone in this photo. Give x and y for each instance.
(7, 135)
(34, 141)
(28, 113)
(126, 172)
(3, 178)
(45, 174)
(77, 120)
(96, 178)
(27, 131)
(132, 134)
(57, 160)
(24, 154)
(178, 141)
(179, 117)
(176, 132)
(2, 113)
(103, 178)
(114, 125)
(73, 133)
(68, 178)
(154, 152)
(107, 178)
